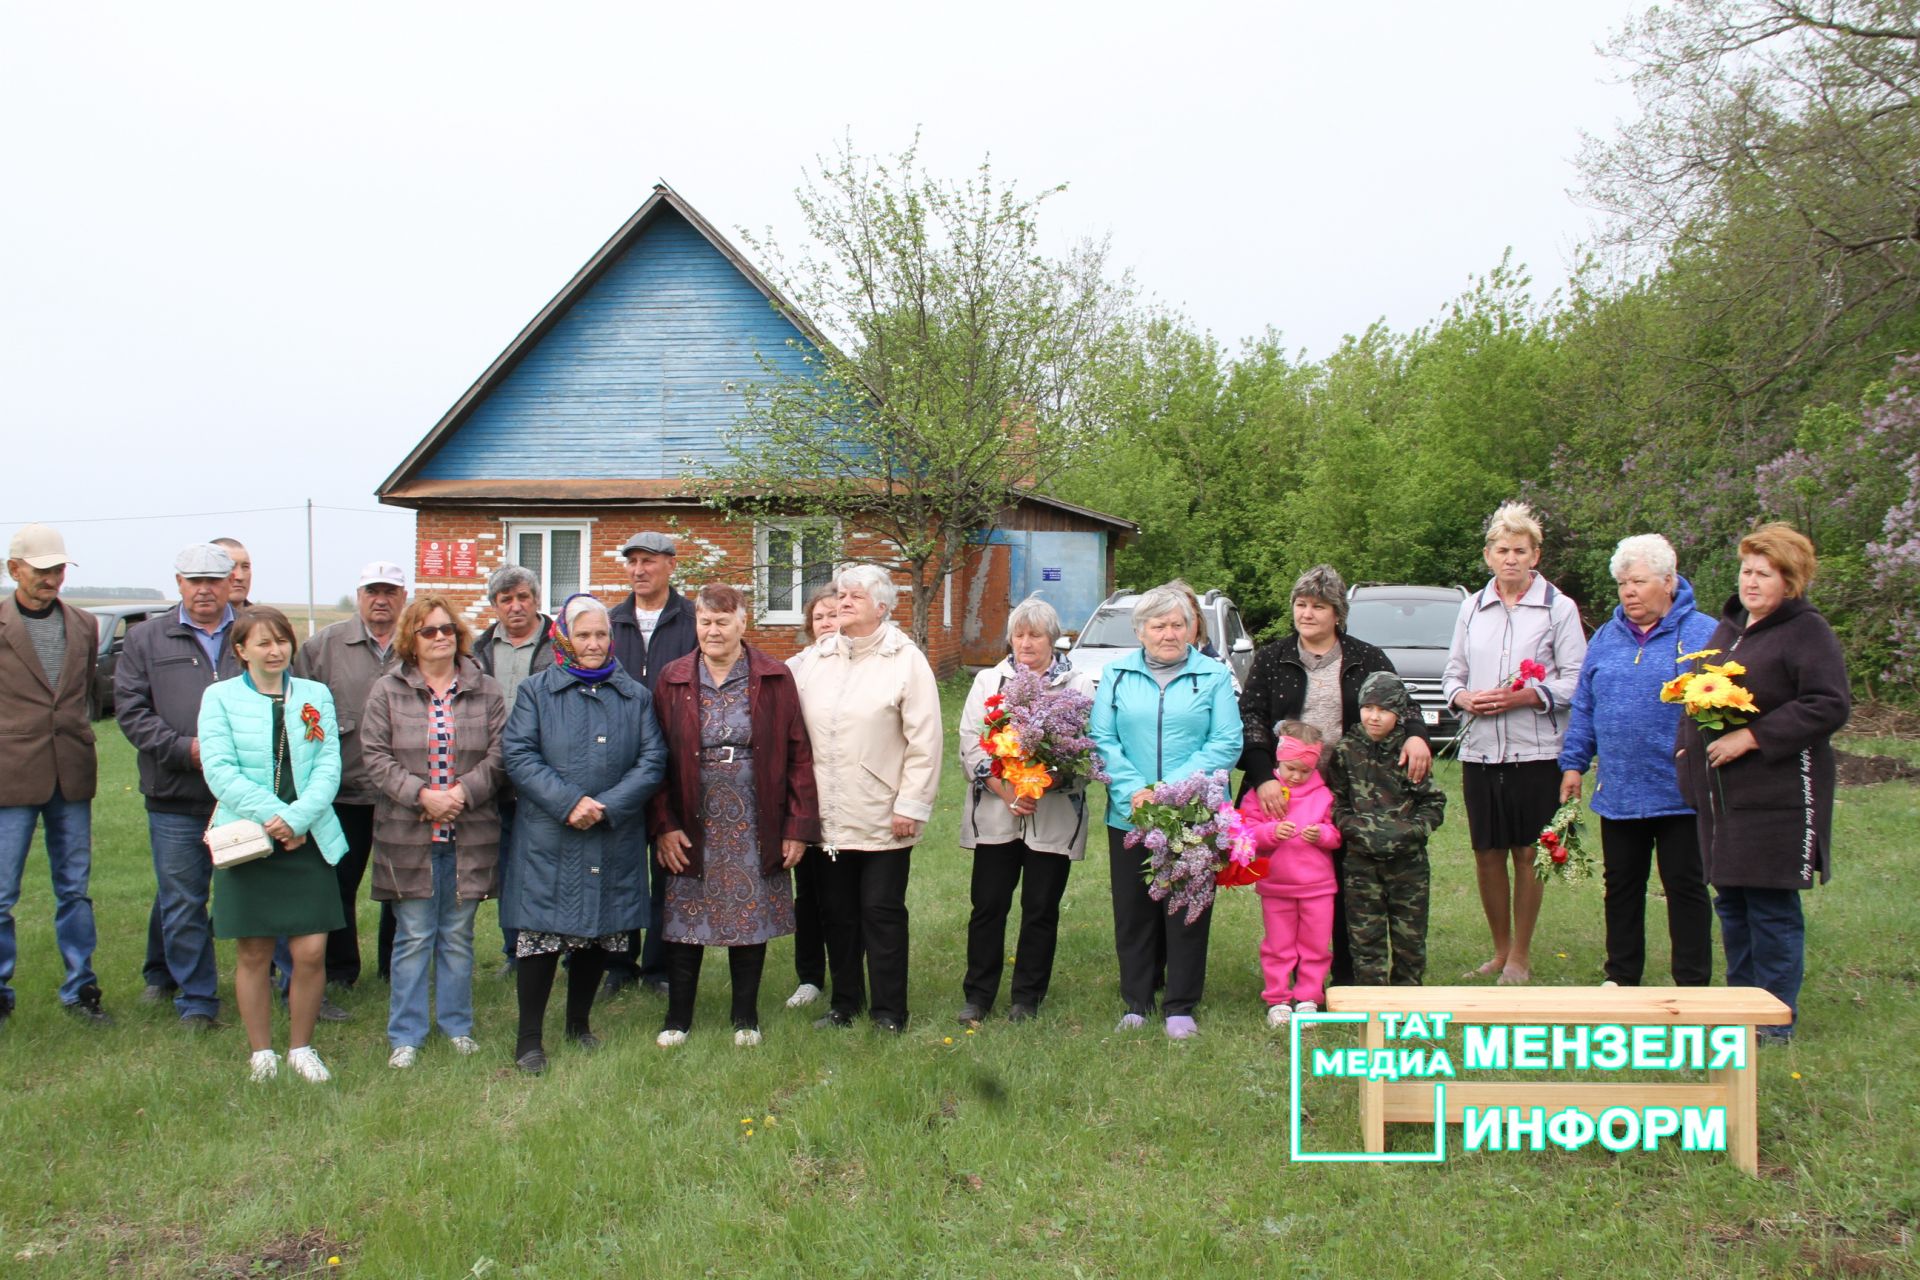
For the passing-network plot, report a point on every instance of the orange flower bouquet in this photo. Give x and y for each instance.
(1710, 694)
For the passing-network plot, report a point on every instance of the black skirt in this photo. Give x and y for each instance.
(1509, 805)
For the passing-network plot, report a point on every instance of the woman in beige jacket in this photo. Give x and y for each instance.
(873, 713)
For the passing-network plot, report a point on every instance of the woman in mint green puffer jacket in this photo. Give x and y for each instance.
(270, 752)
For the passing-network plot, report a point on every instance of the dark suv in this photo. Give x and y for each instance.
(1415, 627)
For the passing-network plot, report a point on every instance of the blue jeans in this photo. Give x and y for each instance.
(436, 932)
(69, 825)
(1766, 940)
(183, 876)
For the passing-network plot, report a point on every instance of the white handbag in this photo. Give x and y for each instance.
(243, 839)
(232, 843)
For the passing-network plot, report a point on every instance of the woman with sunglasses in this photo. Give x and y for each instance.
(431, 740)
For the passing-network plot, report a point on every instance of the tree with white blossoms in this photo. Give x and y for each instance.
(957, 366)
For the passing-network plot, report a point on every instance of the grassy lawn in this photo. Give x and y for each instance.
(1055, 1148)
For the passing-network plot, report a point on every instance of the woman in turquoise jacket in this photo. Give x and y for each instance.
(1162, 713)
(270, 752)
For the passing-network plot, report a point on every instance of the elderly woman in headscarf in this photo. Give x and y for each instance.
(736, 813)
(1017, 841)
(1511, 670)
(585, 754)
(1314, 675)
(1617, 717)
(1163, 713)
(873, 714)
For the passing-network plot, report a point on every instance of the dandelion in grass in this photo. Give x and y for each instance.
(946, 1039)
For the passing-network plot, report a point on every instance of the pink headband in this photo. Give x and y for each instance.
(1294, 749)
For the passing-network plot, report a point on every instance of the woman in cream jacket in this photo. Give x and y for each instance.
(873, 713)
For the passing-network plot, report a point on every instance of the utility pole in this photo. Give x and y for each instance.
(309, 568)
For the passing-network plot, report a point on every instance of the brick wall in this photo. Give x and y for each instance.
(712, 549)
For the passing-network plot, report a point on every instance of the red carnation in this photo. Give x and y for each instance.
(1558, 855)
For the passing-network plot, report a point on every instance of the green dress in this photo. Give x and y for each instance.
(290, 892)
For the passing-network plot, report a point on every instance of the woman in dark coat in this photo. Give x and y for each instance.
(1314, 675)
(736, 813)
(585, 755)
(1764, 792)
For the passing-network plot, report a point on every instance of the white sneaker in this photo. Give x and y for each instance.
(746, 1038)
(307, 1065)
(1279, 1015)
(670, 1039)
(1609, 983)
(803, 995)
(1306, 1006)
(465, 1046)
(403, 1057)
(264, 1065)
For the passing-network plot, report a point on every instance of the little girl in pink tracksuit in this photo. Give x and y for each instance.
(1296, 893)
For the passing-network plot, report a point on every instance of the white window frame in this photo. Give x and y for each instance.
(550, 598)
(763, 568)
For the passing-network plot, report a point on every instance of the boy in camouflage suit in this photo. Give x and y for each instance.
(1384, 821)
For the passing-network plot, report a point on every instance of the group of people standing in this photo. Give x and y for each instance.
(636, 783)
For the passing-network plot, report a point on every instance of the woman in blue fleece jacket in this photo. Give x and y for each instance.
(1617, 713)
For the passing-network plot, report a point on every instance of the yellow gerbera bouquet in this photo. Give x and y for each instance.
(1710, 694)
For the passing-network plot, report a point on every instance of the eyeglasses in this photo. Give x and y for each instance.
(444, 629)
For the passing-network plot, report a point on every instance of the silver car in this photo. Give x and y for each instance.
(1109, 633)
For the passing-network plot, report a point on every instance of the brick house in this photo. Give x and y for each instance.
(582, 430)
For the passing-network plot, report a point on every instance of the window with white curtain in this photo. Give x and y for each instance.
(557, 554)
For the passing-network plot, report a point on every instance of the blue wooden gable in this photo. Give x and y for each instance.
(633, 371)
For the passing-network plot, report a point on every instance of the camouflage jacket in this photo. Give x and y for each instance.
(1377, 808)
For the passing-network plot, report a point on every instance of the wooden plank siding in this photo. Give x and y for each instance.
(643, 373)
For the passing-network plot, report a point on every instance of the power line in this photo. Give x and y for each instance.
(201, 515)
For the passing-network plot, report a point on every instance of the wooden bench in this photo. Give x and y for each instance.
(1734, 1088)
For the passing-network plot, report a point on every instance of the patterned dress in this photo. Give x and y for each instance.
(732, 905)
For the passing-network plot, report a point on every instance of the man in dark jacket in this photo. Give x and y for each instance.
(349, 657)
(651, 627)
(165, 667)
(48, 651)
(1315, 675)
(518, 645)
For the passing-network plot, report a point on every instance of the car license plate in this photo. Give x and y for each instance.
(1430, 714)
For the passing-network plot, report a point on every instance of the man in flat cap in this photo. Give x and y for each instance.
(651, 628)
(166, 665)
(348, 657)
(48, 652)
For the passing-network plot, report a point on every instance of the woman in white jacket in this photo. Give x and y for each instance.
(1512, 668)
(873, 713)
(1017, 841)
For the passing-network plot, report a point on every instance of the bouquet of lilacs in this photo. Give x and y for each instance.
(1190, 830)
(1037, 735)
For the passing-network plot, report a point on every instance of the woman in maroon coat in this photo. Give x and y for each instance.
(737, 811)
(1764, 792)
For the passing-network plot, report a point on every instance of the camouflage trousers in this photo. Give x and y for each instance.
(1386, 903)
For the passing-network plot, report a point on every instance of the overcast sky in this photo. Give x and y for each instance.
(250, 253)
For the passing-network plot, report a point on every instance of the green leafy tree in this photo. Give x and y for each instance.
(958, 367)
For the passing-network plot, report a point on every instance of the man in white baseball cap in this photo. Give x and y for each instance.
(166, 665)
(348, 657)
(48, 772)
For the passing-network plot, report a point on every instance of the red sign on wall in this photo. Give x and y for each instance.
(433, 560)
(463, 558)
